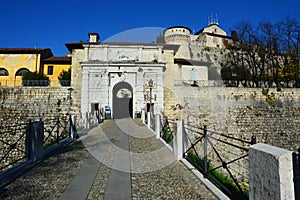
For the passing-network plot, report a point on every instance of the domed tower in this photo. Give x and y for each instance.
(179, 35)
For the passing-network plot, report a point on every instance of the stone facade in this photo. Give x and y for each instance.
(98, 67)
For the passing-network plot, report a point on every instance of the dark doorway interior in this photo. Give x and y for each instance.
(122, 100)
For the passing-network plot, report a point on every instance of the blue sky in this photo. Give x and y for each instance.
(51, 24)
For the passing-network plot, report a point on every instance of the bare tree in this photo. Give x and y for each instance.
(268, 53)
(289, 47)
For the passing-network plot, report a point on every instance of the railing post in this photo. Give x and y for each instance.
(270, 172)
(73, 127)
(205, 151)
(57, 130)
(87, 120)
(157, 125)
(34, 140)
(296, 173)
(70, 126)
(149, 119)
(143, 116)
(28, 140)
(253, 140)
(178, 139)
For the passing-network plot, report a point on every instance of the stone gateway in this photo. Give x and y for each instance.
(117, 75)
(122, 100)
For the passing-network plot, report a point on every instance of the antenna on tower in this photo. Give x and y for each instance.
(210, 20)
(213, 20)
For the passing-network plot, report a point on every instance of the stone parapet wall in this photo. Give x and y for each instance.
(240, 113)
(20, 104)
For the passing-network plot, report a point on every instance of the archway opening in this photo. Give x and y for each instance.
(21, 71)
(122, 100)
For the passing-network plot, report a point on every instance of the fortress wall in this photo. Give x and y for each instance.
(19, 104)
(241, 113)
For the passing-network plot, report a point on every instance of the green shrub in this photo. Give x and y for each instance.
(265, 91)
(35, 79)
(65, 77)
(167, 135)
(270, 98)
(215, 174)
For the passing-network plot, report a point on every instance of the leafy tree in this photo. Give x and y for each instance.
(213, 73)
(234, 36)
(35, 79)
(268, 53)
(65, 77)
(160, 39)
(289, 45)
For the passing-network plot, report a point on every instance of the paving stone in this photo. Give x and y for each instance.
(49, 179)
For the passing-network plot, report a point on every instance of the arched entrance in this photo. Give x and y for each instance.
(122, 100)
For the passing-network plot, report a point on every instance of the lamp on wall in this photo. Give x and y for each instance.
(150, 84)
(70, 96)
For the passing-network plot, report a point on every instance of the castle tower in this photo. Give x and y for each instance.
(179, 35)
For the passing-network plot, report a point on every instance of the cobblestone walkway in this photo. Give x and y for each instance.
(50, 178)
(173, 181)
(151, 175)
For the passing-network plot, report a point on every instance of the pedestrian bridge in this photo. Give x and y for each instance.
(118, 159)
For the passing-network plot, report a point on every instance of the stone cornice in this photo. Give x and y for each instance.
(121, 63)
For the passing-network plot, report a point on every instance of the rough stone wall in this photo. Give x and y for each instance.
(241, 113)
(18, 105)
(209, 54)
(76, 77)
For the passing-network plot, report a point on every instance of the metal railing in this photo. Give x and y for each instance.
(19, 142)
(55, 130)
(34, 83)
(199, 83)
(13, 145)
(214, 155)
(167, 130)
(296, 170)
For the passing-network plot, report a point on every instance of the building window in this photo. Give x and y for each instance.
(193, 74)
(21, 71)
(50, 70)
(3, 72)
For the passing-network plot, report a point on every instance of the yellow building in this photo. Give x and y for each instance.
(15, 61)
(53, 66)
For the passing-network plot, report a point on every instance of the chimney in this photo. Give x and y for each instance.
(94, 37)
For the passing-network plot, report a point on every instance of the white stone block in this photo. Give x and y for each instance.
(157, 125)
(270, 173)
(178, 140)
(149, 120)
